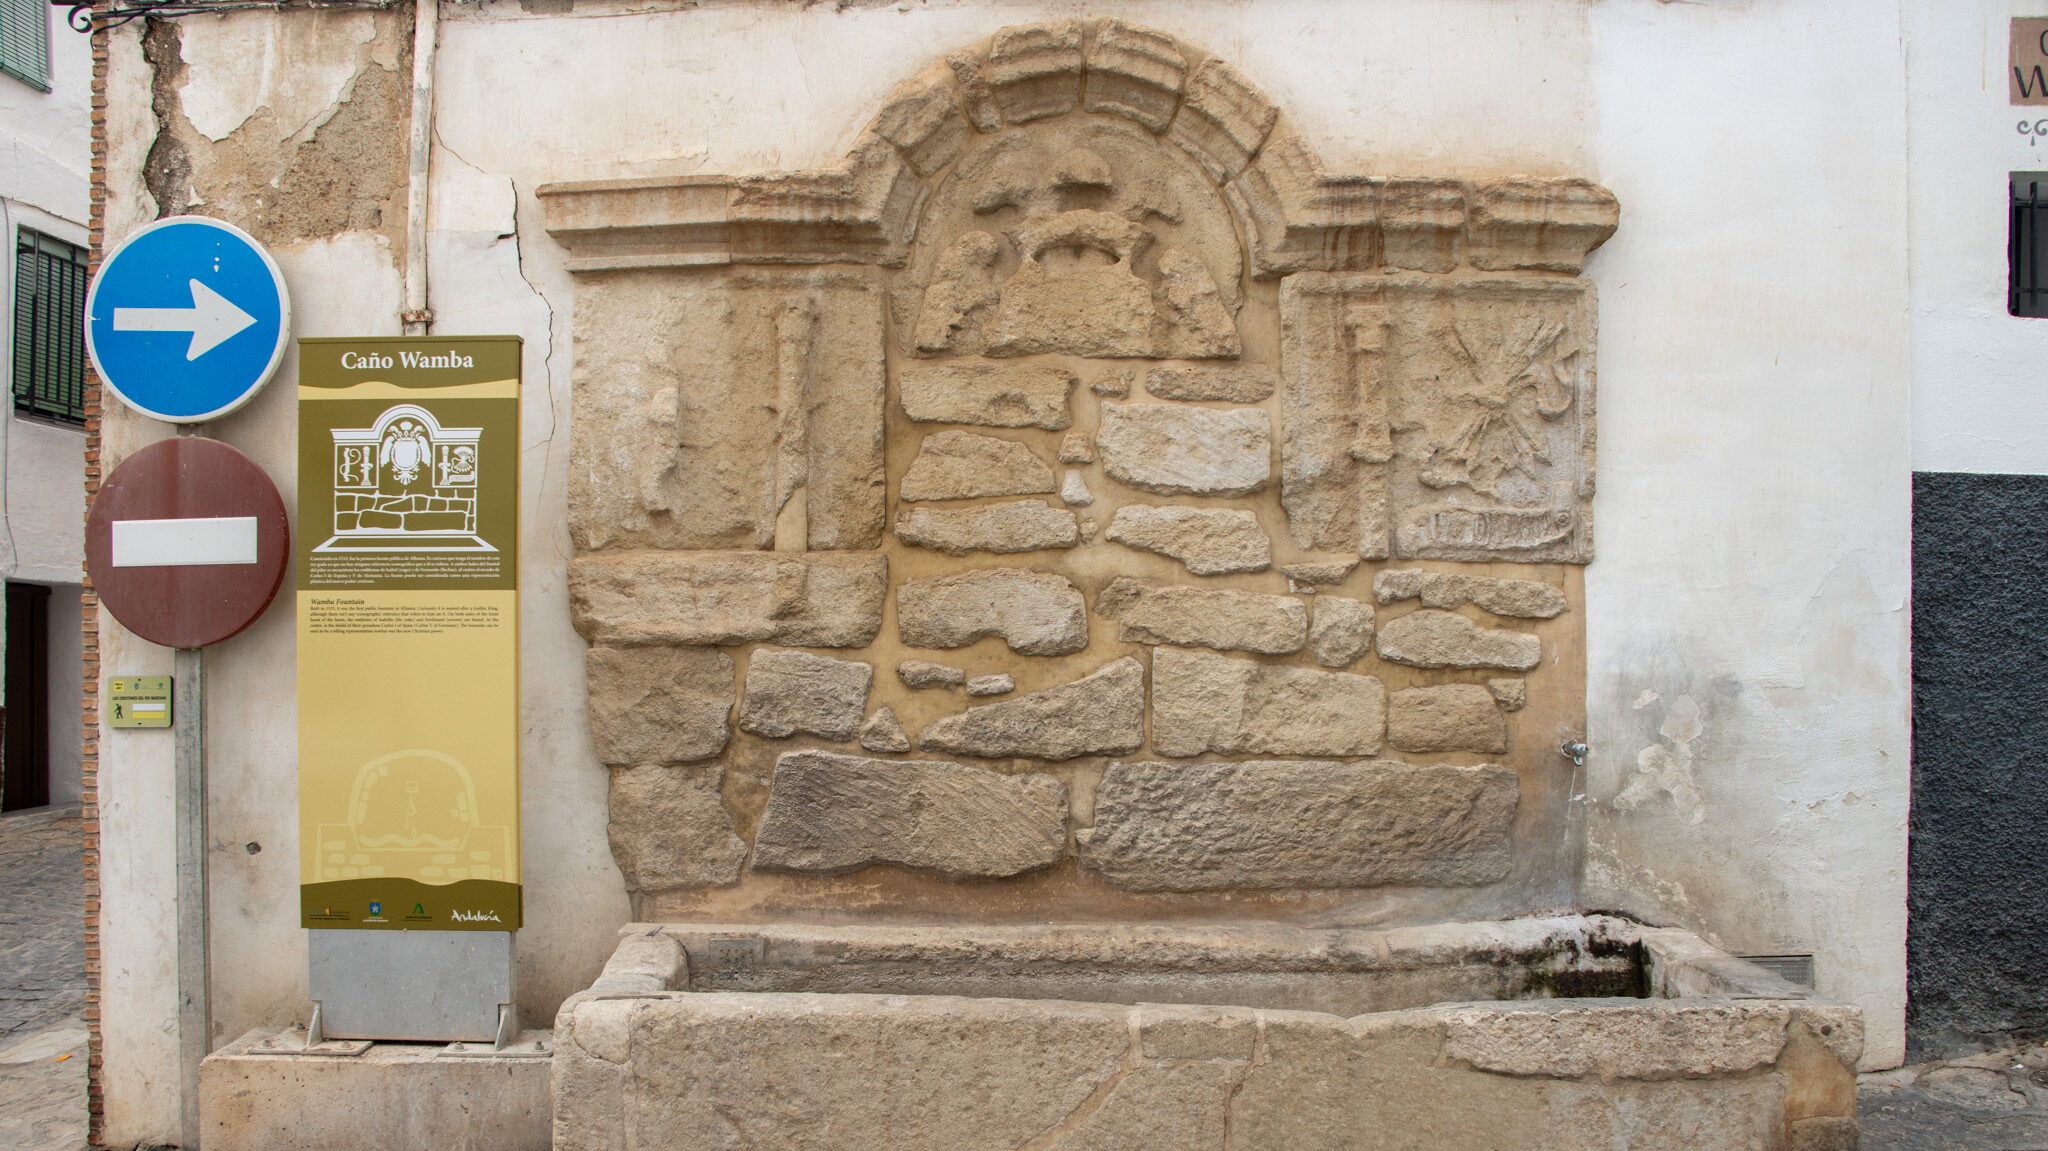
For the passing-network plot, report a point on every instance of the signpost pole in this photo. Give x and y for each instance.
(195, 1015)
(186, 543)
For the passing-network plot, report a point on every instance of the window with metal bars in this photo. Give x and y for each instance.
(2026, 248)
(49, 327)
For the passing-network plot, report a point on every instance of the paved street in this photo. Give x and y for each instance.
(1997, 1101)
(42, 981)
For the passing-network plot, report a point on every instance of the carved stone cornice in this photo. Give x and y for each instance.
(1296, 216)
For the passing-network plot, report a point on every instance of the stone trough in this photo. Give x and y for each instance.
(1576, 1031)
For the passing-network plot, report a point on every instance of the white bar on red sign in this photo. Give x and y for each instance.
(184, 542)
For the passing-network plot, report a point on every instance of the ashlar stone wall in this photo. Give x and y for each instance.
(1082, 503)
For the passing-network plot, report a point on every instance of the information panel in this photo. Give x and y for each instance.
(408, 625)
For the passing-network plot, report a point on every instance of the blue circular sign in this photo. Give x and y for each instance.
(187, 319)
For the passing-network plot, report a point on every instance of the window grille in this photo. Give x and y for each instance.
(49, 327)
(2027, 245)
(25, 41)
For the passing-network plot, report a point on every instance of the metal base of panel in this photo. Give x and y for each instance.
(412, 986)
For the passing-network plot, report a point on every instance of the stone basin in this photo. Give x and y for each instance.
(1554, 1032)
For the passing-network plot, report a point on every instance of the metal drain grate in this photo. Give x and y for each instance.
(1791, 968)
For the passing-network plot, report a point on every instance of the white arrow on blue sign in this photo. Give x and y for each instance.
(187, 319)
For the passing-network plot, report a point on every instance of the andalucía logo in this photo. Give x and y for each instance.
(475, 917)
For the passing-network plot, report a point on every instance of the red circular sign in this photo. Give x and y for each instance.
(187, 541)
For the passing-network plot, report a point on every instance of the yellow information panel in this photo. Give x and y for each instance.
(139, 701)
(408, 618)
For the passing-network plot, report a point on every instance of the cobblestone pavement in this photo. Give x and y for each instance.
(42, 980)
(1996, 1101)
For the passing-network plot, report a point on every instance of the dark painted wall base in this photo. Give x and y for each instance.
(1977, 942)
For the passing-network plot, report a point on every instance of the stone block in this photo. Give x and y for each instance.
(834, 1072)
(1135, 73)
(1421, 220)
(813, 599)
(1000, 683)
(1512, 693)
(1335, 502)
(1212, 703)
(1540, 224)
(921, 673)
(659, 704)
(961, 465)
(1222, 618)
(1229, 383)
(1522, 598)
(988, 394)
(1299, 824)
(922, 118)
(1197, 1032)
(1362, 349)
(1297, 217)
(1223, 120)
(1427, 637)
(1100, 714)
(883, 732)
(1210, 541)
(781, 392)
(1159, 1105)
(670, 829)
(1173, 450)
(1034, 70)
(1320, 571)
(1342, 630)
(1645, 1039)
(1035, 613)
(643, 963)
(1074, 490)
(1019, 526)
(834, 813)
(794, 691)
(1077, 448)
(1367, 1075)
(393, 1095)
(976, 102)
(1450, 717)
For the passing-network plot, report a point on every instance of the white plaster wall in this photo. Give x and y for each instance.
(1754, 498)
(1451, 87)
(44, 508)
(45, 137)
(1754, 423)
(45, 165)
(1977, 391)
(138, 860)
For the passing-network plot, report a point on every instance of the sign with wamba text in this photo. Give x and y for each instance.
(2027, 79)
(408, 624)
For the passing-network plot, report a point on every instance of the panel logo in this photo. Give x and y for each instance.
(475, 917)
